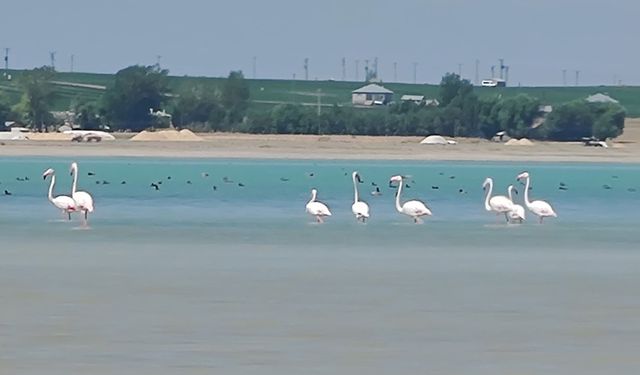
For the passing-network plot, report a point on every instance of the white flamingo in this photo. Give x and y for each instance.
(359, 208)
(516, 215)
(499, 203)
(539, 208)
(413, 208)
(84, 201)
(63, 202)
(317, 208)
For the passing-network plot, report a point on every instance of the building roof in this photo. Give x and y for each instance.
(601, 98)
(372, 89)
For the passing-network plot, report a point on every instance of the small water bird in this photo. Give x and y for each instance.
(539, 208)
(317, 208)
(376, 192)
(155, 186)
(412, 208)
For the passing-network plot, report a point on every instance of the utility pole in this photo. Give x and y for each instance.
(564, 77)
(395, 72)
(375, 67)
(52, 56)
(71, 63)
(415, 72)
(319, 103)
(158, 58)
(344, 69)
(6, 61)
(577, 77)
(306, 68)
(366, 70)
(254, 66)
(357, 69)
(460, 70)
(477, 77)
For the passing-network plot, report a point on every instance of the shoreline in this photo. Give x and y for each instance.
(314, 147)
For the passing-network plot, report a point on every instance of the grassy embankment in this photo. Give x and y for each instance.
(266, 93)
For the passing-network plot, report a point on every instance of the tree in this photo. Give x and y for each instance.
(235, 97)
(198, 106)
(452, 86)
(135, 91)
(5, 111)
(88, 115)
(569, 122)
(610, 122)
(37, 96)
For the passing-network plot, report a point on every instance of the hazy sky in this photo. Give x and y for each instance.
(537, 38)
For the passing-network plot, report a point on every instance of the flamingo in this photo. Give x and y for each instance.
(63, 202)
(499, 203)
(84, 201)
(317, 208)
(359, 208)
(539, 208)
(516, 215)
(413, 208)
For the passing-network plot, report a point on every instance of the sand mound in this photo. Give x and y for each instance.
(49, 136)
(188, 135)
(167, 135)
(519, 142)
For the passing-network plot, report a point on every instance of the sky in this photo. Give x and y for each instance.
(537, 39)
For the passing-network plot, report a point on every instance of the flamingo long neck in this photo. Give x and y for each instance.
(355, 189)
(53, 182)
(486, 200)
(398, 207)
(313, 196)
(526, 193)
(75, 180)
(510, 190)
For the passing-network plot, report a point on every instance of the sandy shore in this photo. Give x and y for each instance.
(330, 147)
(626, 149)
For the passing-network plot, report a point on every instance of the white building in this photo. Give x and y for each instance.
(370, 95)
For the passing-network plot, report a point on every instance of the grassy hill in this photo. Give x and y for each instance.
(266, 93)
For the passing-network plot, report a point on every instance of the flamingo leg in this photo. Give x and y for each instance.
(69, 215)
(541, 217)
(319, 219)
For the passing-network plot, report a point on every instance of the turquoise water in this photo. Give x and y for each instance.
(239, 280)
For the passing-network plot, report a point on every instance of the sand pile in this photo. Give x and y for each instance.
(49, 136)
(167, 135)
(519, 142)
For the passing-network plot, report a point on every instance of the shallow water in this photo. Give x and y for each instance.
(239, 280)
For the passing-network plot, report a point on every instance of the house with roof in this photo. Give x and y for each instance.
(370, 95)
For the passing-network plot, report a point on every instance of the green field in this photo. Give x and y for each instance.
(266, 93)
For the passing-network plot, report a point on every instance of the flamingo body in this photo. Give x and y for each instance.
(84, 200)
(539, 208)
(63, 202)
(517, 214)
(412, 208)
(499, 203)
(359, 208)
(317, 208)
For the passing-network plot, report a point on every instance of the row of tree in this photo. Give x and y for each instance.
(138, 91)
